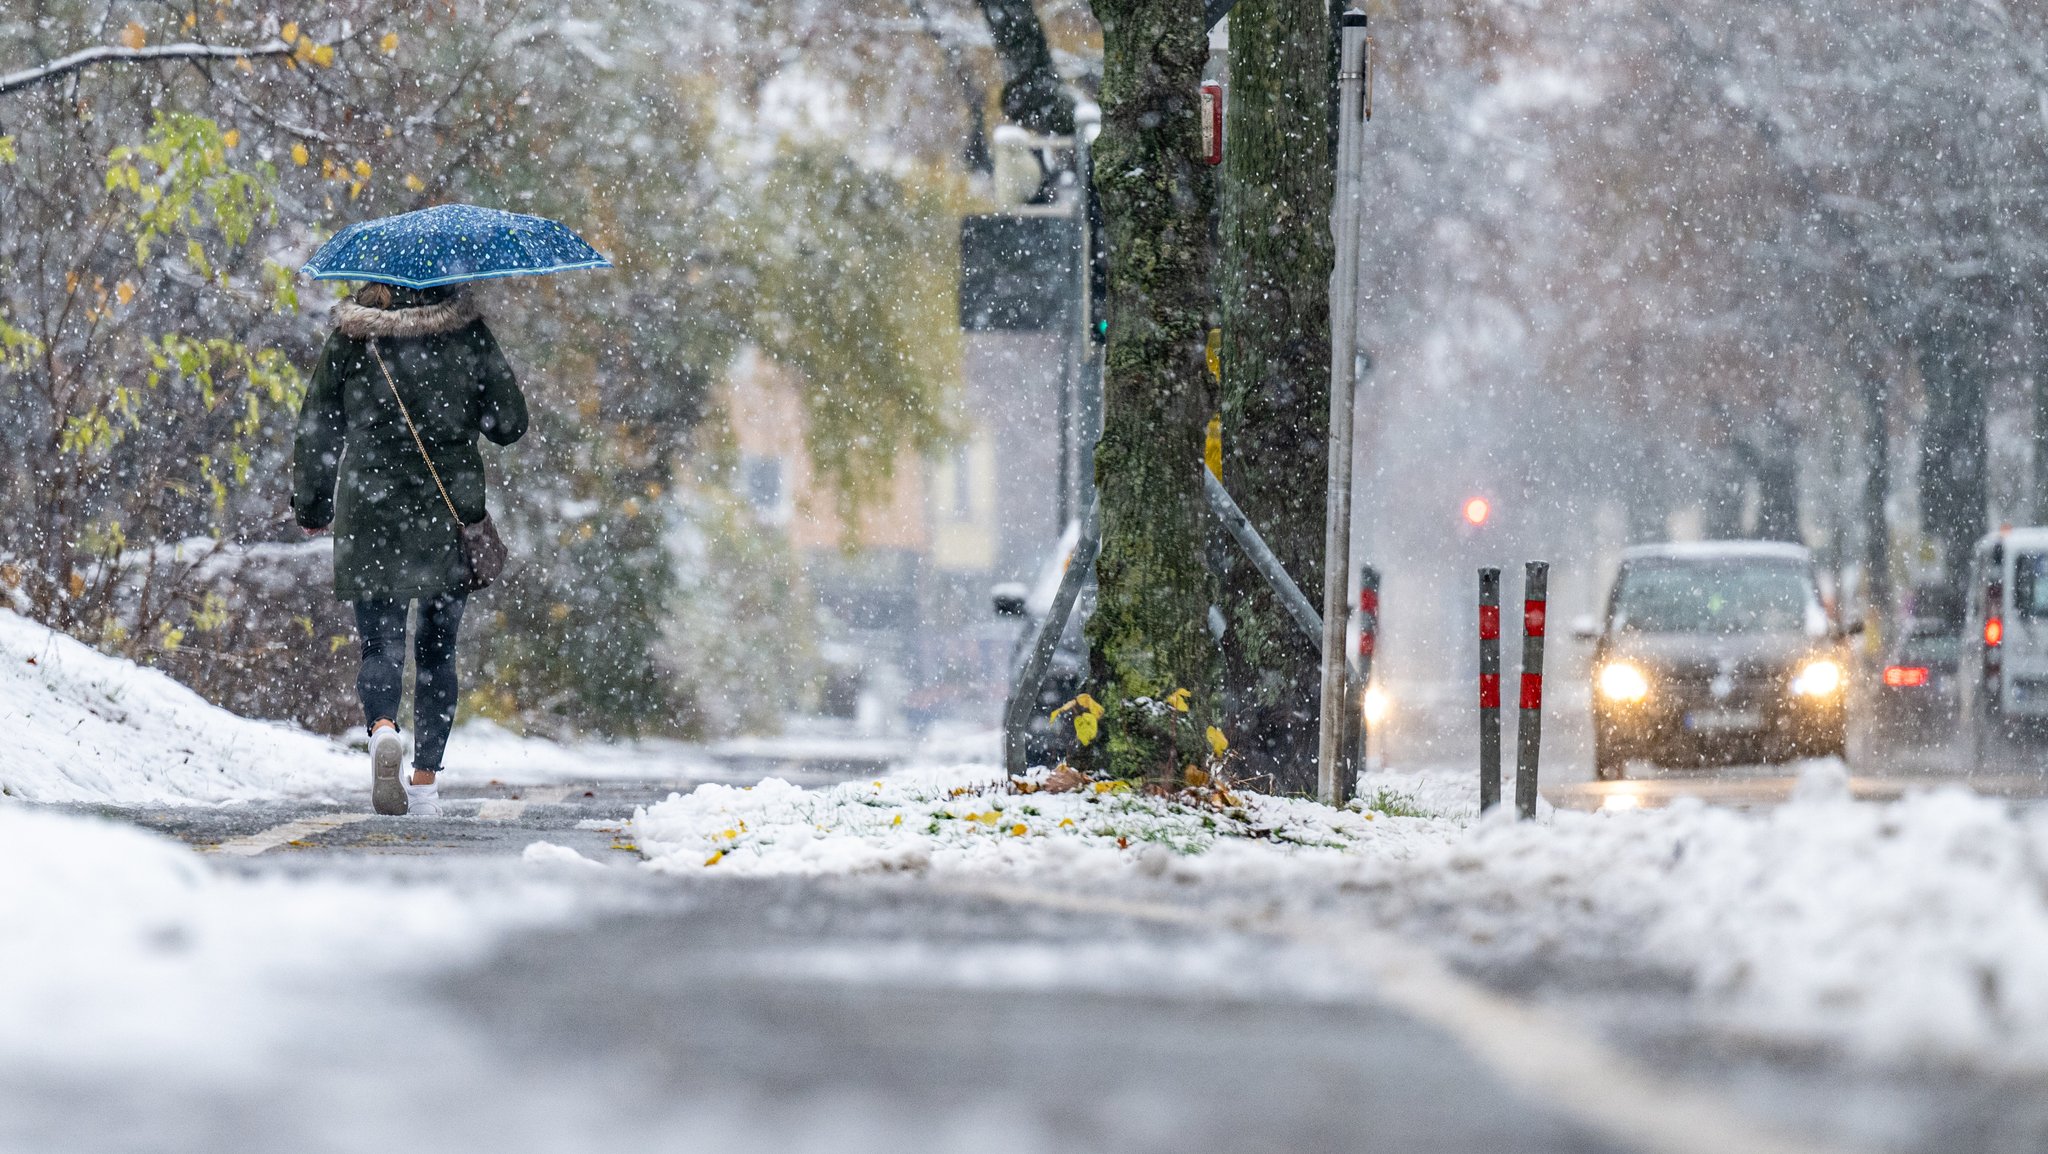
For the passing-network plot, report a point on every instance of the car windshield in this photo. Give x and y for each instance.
(1717, 597)
(1930, 648)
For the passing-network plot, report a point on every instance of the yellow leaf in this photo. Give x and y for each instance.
(989, 819)
(389, 44)
(133, 36)
(76, 584)
(191, 18)
(1084, 727)
(1178, 699)
(124, 292)
(243, 64)
(324, 56)
(355, 190)
(415, 183)
(363, 169)
(898, 820)
(1212, 446)
(1090, 704)
(558, 611)
(1017, 830)
(713, 859)
(1217, 742)
(1194, 777)
(232, 137)
(289, 33)
(300, 156)
(1066, 823)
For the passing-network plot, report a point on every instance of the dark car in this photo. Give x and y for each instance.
(1914, 692)
(1716, 653)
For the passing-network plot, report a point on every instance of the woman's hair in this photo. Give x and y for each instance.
(374, 296)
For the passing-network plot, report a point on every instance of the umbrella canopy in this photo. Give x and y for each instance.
(448, 244)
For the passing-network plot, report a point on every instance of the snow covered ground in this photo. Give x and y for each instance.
(1903, 931)
(120, 948)
(82, 727)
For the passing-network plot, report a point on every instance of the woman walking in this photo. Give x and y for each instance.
(386, 454)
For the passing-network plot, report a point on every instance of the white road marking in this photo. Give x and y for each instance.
(1545, 1055)
(509, 809)
(249, 845)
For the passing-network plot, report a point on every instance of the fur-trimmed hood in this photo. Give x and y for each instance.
(361, 322)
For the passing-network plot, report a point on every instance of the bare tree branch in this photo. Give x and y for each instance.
(86, 58)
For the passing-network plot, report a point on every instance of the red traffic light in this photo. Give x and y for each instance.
(1477, 510)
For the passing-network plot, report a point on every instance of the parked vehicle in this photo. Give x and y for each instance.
(1714, 653)
(1914, 691)
(2003, 682)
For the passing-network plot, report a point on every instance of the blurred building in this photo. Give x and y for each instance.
(902, 596)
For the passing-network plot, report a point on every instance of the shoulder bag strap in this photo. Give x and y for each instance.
(414, 430)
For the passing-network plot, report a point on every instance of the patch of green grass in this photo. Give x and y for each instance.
(1394, 803)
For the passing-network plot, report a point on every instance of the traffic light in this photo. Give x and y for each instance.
(1477, 510)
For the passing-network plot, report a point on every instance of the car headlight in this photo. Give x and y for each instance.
(1822, 678)
(1620, 681)
(1376, 704)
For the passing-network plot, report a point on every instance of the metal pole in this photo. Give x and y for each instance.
(1489, 688)
(1331, 785)
(1368, 645)
(1529, 730)
(1262, 559)
(1088, 378)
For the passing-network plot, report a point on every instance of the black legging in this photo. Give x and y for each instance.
(381, 622)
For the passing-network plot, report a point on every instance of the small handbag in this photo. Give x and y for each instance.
(482, 549)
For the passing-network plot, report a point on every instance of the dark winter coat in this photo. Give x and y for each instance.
(354, 464)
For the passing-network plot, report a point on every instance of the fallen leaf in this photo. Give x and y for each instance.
(133, 36)
(300, 156)
(1217, 742)
(389, 44)
(1064, 779)
(1178, 699)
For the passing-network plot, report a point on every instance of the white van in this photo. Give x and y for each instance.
(2003, 672)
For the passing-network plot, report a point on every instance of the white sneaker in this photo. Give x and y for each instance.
(387, 754)
(423, 800)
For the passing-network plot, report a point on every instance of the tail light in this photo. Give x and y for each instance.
(1994, 632)
(1905, 676)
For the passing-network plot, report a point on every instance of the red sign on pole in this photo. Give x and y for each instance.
(1212, 122)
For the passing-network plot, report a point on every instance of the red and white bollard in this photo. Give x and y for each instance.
(1529, 731)
(1489, 688)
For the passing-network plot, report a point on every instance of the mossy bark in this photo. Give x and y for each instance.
(1150, 631)
(1274, 276)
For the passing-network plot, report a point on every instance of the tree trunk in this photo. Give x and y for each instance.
(1877, 485)
(1953, 448)
(1274, 277)
(1150, 632)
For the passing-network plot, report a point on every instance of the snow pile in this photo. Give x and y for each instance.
(83, 726)
(1906, 930)
(124, 948)
(963, 818)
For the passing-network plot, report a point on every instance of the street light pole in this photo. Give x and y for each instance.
(1333, 761)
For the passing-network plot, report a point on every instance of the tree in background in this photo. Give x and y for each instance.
(655, 139)
(1150, 633)
(1273, 273)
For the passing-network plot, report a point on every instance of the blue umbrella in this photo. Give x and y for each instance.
(448, 244)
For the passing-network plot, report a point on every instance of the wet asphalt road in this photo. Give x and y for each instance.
(895, 1014)
(851, 1015)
